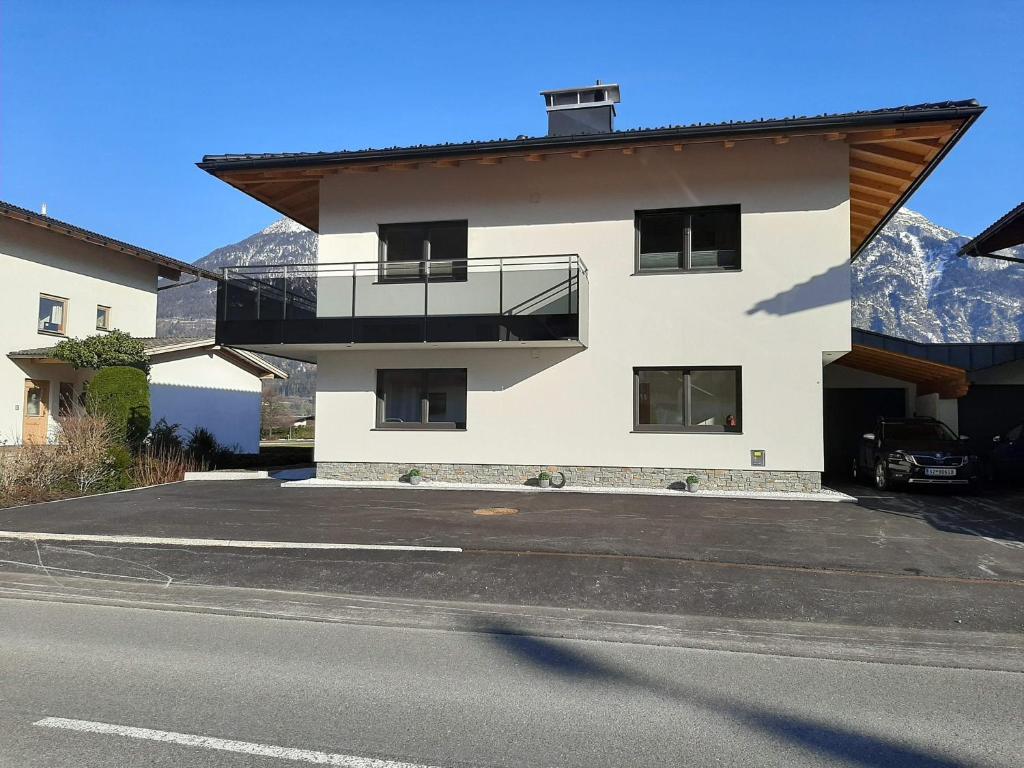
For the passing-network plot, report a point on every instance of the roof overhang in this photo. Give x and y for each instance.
(168, 268)
(930, 377)
(1007, 232)
(891, 152)
(243, 358)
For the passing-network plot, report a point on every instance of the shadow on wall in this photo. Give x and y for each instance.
(835, 745)
(829, 287)
(490, 370)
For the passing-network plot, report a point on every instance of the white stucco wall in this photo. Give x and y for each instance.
(790, 303)
(205, 389)
(34, 261)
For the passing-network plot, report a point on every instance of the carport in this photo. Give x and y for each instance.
(869, 382)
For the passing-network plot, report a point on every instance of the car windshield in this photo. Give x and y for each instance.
(918, 431)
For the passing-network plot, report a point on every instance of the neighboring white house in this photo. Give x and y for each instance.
(60, 281)
(625, 306)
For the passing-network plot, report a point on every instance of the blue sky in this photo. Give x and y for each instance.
(106, 106)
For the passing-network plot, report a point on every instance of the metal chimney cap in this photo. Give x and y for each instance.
(597, 95)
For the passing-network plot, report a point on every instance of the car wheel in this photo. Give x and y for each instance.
(881, 476)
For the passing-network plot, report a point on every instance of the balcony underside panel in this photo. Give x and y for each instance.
(437, 329)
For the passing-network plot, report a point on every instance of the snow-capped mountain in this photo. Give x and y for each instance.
(908, 283)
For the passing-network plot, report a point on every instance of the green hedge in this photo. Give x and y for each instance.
(122, 395)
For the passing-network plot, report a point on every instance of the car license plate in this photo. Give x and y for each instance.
(940, 472)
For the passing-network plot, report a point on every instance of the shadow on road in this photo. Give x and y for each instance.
(835, 744)
(996, 514)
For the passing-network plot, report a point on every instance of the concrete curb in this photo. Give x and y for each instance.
(825, 495)
(243, 474)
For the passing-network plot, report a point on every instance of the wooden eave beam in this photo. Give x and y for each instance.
(930, 131)
(876, 169)
(881, 153)
(873, 194)
(892, 186)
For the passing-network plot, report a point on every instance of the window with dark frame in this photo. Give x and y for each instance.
(102, 318)
(692, 399)
(433, 250)
(421, 398)
(688, 239)
(53, 314)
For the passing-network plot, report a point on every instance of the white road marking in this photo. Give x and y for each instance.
(234, 543)
(225, 745)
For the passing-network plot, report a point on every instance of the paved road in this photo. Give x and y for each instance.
(463, 699)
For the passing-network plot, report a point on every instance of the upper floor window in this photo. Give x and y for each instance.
(432, 398)
(688, 239)
(432, 250)
(53, 314)
(694, 399)
(102, 318)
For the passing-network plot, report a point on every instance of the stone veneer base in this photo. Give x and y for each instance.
(612, 477)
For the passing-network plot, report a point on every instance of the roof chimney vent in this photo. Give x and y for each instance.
(42, 209)
(573, 111)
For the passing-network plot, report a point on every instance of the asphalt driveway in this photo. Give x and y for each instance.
(920, 535)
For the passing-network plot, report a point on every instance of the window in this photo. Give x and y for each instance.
(432, 251)
(686, 400)
(102, 318)
(685, 239)
(421, 399)
(53, 314)
(66, 402)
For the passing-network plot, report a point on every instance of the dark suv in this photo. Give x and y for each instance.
(916, 451)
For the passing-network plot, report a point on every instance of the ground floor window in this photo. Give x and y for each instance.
(421, 398)
(695, 399)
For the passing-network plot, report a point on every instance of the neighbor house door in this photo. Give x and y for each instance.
(37, 412)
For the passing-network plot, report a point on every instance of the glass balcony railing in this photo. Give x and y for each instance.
(509, 299)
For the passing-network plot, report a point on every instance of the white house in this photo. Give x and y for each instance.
(61, 281)
(628, 307)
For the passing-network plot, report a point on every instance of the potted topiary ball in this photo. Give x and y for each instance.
(692, 483)
(544, 479)
(414, 476)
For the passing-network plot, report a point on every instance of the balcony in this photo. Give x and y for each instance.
(476, 302)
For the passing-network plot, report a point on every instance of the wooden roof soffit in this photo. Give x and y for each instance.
(884, 164)
(929, 377)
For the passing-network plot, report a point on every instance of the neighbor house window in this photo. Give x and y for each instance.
(53, 314)
(102, 318)
(685, 239)
(424, 251)
(432, 398)
(694, 399)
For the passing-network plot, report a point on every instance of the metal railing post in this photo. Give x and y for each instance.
(284, 299)
(352, 325)
(501, 287)
(426, 296)
(224, 285)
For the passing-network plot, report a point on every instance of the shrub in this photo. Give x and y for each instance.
(152, 467)
(203, 446)
(414, 473)
(104, 350)
(692, 479)
(121, 395)
(164, 438)
(544, 476)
